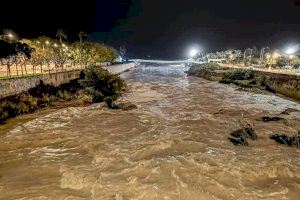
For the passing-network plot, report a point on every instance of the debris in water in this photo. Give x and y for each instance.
(287, 140)
(127, 106)
(288, 111)
(240, 136)
(271, 119)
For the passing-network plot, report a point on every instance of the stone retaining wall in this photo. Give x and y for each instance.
(288, 85)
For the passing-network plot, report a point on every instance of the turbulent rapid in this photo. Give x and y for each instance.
(173, 146)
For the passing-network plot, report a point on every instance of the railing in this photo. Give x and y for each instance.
(271, 70)
(29, 70)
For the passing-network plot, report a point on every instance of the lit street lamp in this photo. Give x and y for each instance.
(276, 55)
(291, 57)
(194, 52)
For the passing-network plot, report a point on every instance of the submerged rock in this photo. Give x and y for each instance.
(127, 106)
(287, 140)
(240, 136)
(288, 111)
(271, 119)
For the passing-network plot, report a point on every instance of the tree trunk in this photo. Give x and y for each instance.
(25, 68)
(17, 70)
(41, 69)
(49, 68)
(22, 70)
(8, 71)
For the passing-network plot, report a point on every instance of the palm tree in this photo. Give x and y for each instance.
(81, 34)
(245, 55)
(61, 34)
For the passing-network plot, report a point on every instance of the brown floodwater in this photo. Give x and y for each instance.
(173, 146)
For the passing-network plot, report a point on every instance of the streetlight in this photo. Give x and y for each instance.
(55, 45)
(292, 49)
(276, 55)
(291, 57)
(10, 35)
(47, 42)
(194, 52)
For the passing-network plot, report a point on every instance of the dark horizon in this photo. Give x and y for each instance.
(164, 30)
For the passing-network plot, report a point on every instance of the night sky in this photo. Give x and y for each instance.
(163, 29)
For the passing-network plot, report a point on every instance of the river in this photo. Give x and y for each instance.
(173, 146)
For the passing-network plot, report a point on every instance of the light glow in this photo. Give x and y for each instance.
(194, 52)
(292, 49)
(276, 55)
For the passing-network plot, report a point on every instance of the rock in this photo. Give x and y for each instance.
(271, 119)
(127, 106)
(240, 136)
(238, 141)
(287, 140)
(288, 111)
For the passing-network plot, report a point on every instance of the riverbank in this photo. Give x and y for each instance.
(94, 84)
(256, 81)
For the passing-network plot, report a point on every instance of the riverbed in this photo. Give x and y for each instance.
(173, 146)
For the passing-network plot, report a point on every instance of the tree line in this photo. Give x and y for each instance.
(48, 54)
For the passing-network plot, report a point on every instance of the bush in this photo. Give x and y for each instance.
(110, 102)
(95, 84)
(240, 136)
(207, 67)
(100, 83)
(243, 78)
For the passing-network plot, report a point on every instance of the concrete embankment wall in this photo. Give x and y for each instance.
(17, 85)
(117, 69)
(288, 85)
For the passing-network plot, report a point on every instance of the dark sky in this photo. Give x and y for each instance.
(163, 29)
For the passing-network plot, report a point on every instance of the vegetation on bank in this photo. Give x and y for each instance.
(240, 77)
(243, 78)
(249, 80)
(45, 54)
(94, 85)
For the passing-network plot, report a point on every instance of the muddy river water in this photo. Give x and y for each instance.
(173, 146)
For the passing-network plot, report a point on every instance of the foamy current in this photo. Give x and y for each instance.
(174, 146)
